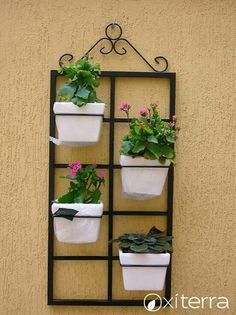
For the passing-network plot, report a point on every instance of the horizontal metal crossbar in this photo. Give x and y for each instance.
(74, 257)
(114, 166)
(113, 302)
(136, 212)
(105, 119)
(131, 74)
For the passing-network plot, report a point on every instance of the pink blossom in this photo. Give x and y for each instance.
(125, 107)
(143, 112)
(73, 173)
(101, 174)
(171, 124)
(174, 117)
(77, 166)
(74, 168)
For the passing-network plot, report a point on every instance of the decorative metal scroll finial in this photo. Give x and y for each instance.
(113, 33)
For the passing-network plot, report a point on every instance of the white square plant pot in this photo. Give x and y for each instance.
(136, 276)
(78, 130)
(143, 182)
(82, 229)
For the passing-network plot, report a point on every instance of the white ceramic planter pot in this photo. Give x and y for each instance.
(143, 182)
(74, 130)
(84, 228)
(136, 276)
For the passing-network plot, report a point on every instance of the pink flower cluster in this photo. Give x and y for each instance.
(74, 168)
(172, 124)
(101, 174)
(125, 107)
(143, 111)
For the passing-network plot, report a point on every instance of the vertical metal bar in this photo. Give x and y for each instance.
(51, 187)
(172, 94)
(111, 169)
(170, 193)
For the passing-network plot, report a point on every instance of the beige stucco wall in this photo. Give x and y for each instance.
(198, 38)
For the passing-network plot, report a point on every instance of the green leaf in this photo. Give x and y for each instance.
(139, 241)
(155, 149)
(148, 130)
(139, 248)
(155, 231)
(157, 248)
(135, 236)
(167, 247)
(67, 198)
(80, 198)
(170, 139)
(72, 185)
(125, 147)
(149, 155)
(95, 196)
(124, 245)
(138, 147)
(82, 93)
(151, 240)
(168, 152)
(67, 91)
(165, 238)
(152, 139)
(137, 129)
(80, 101)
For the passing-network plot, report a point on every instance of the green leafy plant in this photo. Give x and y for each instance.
(82, 82)
(153, 242)
(85, 184)
(149, 136)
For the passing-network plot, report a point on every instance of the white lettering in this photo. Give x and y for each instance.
(182, 300)
(202, 300)
(193, 301)
(168, 303)
(211, 298)
(225, 302)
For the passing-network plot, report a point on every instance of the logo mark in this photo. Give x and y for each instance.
(152, 302)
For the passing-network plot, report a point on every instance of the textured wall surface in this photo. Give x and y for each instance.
(198, 38)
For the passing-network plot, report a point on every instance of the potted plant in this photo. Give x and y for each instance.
(144, 259)
(79, 114)
(146, 153)
(77, 214)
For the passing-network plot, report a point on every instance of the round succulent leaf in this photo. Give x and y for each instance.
(157, 248)
(139, 248)
(138, 241)
(124, 245)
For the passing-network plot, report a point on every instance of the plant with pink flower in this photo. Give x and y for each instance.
(149, 136)
(125, 107)
(102, 174)
(74, 168)
(85, 184)
(143, 112)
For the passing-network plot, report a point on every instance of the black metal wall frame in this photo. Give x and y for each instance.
(112, 212)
